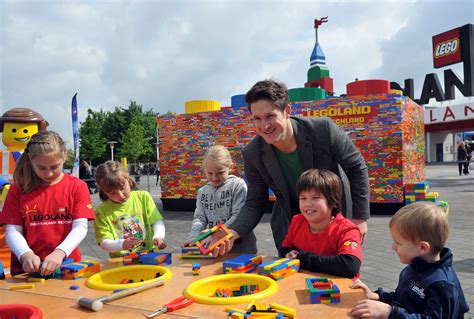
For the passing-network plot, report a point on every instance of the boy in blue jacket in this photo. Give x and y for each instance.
(428, 287)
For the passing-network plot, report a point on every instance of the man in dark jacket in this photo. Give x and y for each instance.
(284, 148)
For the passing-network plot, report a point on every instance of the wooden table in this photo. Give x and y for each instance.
(56, 300)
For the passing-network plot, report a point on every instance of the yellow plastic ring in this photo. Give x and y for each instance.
(202, 289)
(110, 279)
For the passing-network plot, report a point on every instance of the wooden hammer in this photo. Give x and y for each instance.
(98, 304)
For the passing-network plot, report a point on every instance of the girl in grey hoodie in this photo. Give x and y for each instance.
(220, 200)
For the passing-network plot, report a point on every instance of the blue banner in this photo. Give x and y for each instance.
(75, 134)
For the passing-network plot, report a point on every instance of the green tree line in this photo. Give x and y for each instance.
(132, 128)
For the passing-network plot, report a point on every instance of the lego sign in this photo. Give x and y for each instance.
(450, 47)
(449, 113)
(447, 48)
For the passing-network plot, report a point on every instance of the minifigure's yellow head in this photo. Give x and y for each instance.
(18, 125)
(16, 135)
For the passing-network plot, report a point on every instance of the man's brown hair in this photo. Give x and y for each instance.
(269, 90)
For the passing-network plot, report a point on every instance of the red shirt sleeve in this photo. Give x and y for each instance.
(349, 240)
(11, 213)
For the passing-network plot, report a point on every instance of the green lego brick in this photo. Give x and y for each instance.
(317, 72)
(306, 94)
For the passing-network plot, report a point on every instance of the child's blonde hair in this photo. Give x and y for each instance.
(42, 143)
(218, 154)
(422, 221)
(111, 176)
(325, 182)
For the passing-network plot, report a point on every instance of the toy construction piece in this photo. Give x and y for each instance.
(177, 303)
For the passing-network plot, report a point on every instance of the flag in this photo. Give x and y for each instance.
(75, 134)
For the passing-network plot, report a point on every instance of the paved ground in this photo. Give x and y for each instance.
(381, 265)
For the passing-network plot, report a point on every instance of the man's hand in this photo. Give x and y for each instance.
(369, 294)
(362, 224)
(52, 262)
(30, 262)
(372, 309)
(226, 245)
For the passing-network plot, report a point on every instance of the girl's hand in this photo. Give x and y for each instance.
(159, 242)
(188, 243)
(30, 262)
(292, 254)
(130, 242)
(52, 262)
(206, 242)
(372, 309)
(369, 294)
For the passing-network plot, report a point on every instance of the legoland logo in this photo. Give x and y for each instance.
(446, 48)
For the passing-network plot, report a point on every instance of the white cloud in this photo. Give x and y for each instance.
(163, 53)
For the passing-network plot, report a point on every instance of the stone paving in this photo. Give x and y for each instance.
(381, 265)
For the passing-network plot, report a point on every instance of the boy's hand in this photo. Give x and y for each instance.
(372, 309)
(52, 262)
(159, 242)
(369, 294)
(292, 254)
(130, 242)
(30, 262)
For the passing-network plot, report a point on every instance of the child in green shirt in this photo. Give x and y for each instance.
(128, 219)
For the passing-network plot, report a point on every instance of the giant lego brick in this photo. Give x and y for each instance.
(388, 130)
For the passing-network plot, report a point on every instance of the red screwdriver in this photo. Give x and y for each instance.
(178, 303)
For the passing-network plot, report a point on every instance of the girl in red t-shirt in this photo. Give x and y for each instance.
(46, 211)
(320, 237)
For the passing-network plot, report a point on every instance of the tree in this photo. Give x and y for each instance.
(133, 141)
(92, 137)
(132, 128)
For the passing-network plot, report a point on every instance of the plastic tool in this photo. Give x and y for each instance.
(177, 303)
(98, 304)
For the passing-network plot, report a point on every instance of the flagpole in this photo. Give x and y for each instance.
(75, 134)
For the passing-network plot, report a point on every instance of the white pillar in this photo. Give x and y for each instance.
(427, 148)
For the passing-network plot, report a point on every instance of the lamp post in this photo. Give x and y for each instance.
(111, 145)
(157, 145)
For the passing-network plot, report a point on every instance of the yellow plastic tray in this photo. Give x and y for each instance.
(202, 289)
(110, 279)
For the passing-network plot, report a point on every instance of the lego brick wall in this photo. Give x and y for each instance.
(388, 129)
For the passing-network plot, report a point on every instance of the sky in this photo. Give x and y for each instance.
(164, 53)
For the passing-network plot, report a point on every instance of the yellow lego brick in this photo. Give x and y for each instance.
(22, 286)
(285, 310)
(260, 306)
(34, 279)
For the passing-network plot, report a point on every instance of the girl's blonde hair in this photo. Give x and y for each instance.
(42, 143)
(422, 221)
(218, 154)
(111, 176)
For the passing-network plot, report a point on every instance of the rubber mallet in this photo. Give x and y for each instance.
(98, 304)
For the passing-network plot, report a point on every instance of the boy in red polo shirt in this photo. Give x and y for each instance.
(320, 237)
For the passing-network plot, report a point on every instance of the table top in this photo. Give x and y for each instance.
(56, 299)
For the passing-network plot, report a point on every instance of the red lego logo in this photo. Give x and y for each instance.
(447, 48)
